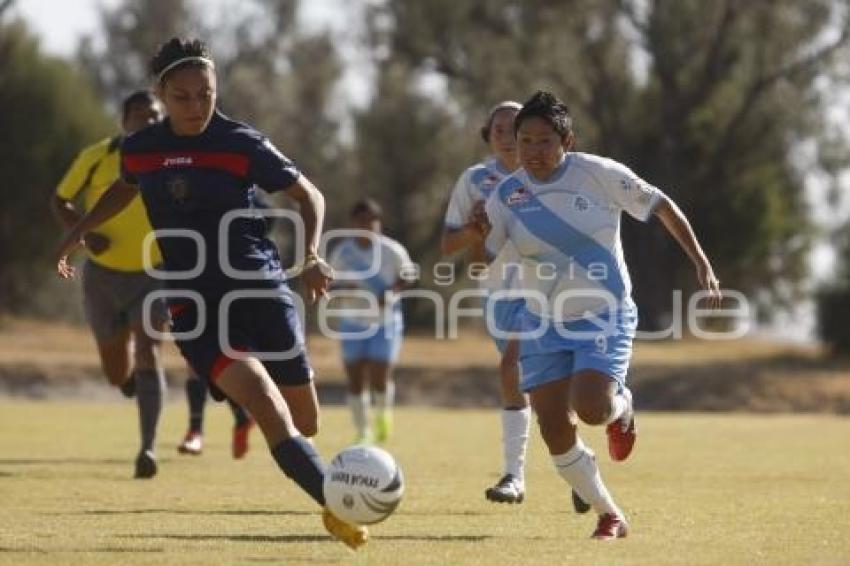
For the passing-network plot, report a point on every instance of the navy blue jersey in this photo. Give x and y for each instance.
(191, 182)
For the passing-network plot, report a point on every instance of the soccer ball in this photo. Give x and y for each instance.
(363, 485)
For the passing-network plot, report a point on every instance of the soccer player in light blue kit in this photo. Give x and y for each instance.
(378, 266)
(562, 211)
(462, 232)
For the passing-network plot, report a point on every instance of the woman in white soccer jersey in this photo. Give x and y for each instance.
(379, 266)
(463, 232)
(562, 211)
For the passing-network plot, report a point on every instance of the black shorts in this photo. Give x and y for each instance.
(265, 326)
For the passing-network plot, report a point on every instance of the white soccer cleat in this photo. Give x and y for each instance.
(509, 489)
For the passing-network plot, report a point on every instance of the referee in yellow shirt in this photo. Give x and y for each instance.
(114, 280)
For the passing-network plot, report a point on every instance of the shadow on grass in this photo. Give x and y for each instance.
(231, 538)
(102, 549)
(226, 512)
(51, 461)
(435, 538)
(307, 538)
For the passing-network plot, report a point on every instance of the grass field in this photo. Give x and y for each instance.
(700, 489)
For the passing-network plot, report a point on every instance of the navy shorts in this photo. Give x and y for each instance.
(267, 327)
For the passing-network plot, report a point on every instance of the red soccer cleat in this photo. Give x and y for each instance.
(621, 441)
(622, 433)
(240, 439)
(610, 526)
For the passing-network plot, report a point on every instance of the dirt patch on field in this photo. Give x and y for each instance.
(41, 361)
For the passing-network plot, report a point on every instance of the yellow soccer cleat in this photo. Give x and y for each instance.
(383, 426)
(353, 536)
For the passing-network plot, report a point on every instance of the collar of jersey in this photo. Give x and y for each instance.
(214, 120)
(497, 165)
(556, 174)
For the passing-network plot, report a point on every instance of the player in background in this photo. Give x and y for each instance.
(193, 441)
(192, 169)
(462, 233)
(378, 266)
(563, 208)
(114, 279)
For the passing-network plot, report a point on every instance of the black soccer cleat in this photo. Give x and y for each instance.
(128, 388)
(146, 467)
(508, 489)
(580, 505)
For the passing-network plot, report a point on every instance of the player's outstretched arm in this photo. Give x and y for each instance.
(316, 273)
(676, 223)
(113, 201)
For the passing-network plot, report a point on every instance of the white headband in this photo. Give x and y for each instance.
(504, 105)
(193, 59)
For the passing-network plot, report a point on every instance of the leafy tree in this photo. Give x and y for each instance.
(707, 100)
(49, 113)
(270, 74)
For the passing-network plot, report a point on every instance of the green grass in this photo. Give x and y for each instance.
(700, 489)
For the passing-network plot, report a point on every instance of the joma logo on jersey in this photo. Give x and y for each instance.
(175, 161)
(519, 196)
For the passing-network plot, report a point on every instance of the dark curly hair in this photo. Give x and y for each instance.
(175, 49)
(546, 106)
(369, 206)
(138, 97)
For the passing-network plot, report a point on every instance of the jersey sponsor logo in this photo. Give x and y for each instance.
(233, 163)
(519, 196)
(177, 161)
(488, 184)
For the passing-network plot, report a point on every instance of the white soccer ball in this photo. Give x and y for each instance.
(363, 485)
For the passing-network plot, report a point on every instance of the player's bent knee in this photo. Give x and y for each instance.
(594, 413)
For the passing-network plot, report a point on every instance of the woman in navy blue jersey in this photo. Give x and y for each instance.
(234, 318)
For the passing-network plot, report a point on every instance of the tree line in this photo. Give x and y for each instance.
(710, 101)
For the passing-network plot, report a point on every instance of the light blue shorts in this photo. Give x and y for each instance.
(506, 317)
(567, 348)
(381, 344)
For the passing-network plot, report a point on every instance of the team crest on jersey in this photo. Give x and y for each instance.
(178, 188)
(581, 204)
(519, 196)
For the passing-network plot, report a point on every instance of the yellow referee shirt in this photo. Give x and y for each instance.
(91, 174)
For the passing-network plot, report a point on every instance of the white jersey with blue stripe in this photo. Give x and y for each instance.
(477, 184)
(567, 233)
(372, 269)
